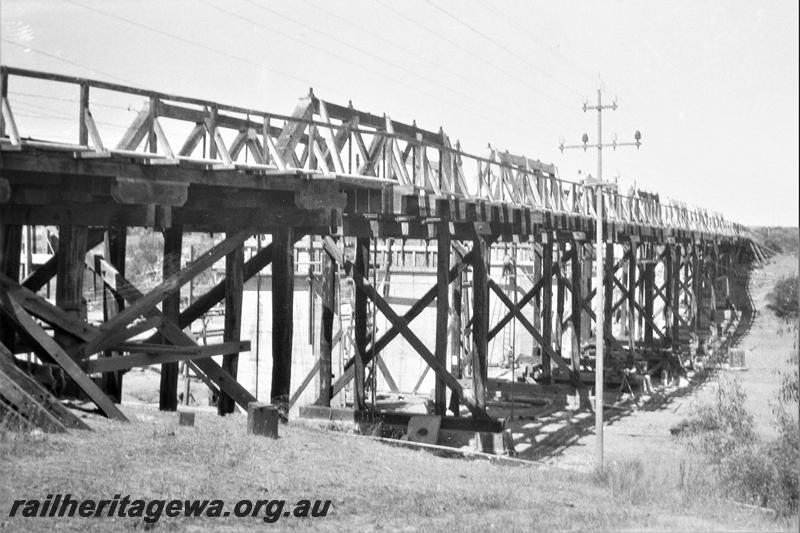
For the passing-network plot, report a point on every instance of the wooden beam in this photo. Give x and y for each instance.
(328, 289)
(174, 282)
(608, 287)
(42, 275)
(171, 309)
(480, 311)
(456, 333)
(527, 325)
(28, 407)
(37, 392)
(649, 296)
(576, 300)
(442, 313)
(401, 324)
(234, 291)
(207, 369)
(631, 290)
(547, 309)
(69, 279)
(115, 247)
(360, 322)
(10, 250)
(167, 354)
(392, 333)
(35, 335)
(282, 318)
(676, 296)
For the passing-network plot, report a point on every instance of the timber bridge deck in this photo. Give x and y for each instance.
(349, 178)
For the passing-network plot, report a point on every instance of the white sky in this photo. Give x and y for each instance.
(713, 86)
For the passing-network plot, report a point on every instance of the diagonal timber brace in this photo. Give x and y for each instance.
(393, 332)
(402, 326)
(29, 329)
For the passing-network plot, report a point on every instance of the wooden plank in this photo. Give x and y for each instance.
(38, 392)
(173, 246)
(282, 318)
(34, 333)
(152, 356)
(28, 407)
(234, 279)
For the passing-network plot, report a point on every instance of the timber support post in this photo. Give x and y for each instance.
(480, 321)
(456, 349)
(282, 319)
(328, 287)
(115, 246)
(576, 300)
(234, 291)
(631, 289)
(173, 244)
(10, 250)
(360, 323)
(547, 306)
(442, 312)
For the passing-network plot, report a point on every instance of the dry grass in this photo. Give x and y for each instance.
(372, 486)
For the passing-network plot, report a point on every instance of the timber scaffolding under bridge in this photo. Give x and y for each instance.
(349, 178)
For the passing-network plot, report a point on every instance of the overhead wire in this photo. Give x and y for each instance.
(530, 36)
(189, 42)
(357, 64)
(225, 54)
(370, 53)
(471, 53)
(240, 58)
(28, 48)
(502, 46)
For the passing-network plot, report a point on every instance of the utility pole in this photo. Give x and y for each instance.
(599, 334)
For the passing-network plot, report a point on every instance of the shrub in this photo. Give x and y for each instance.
(783, 298)
(747, 468)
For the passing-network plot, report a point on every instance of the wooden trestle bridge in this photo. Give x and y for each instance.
(349, 178)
